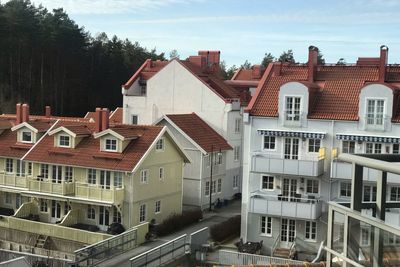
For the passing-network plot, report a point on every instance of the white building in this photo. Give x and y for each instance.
(299, 119)
(186, 86)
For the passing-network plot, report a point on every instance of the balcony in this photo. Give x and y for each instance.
(275, 163)
(93, 192)
(377, 124)
(274, 205)
(12, 180)
(294, 120)
(47, 186)
(344, 170)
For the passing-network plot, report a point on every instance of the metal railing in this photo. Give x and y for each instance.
(274, 246)
(236, 258)
(163, 254)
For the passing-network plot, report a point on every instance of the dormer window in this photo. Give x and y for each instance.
(375, 109)
(26, 137)
(64, 141)
(110, 145)
(292, 108)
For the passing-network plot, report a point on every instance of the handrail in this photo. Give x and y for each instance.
(292, 249)
(312, 158)
(275, 244)
(321, 247)
(289, 198)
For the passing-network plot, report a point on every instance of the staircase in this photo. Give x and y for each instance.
(282, 253)
(41, 241)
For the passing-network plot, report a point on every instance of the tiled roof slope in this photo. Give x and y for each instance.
(338, 96)
(87, 153)
(116, 115)
(197, 129)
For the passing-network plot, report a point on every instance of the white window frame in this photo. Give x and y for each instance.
(213, 187)
(347, 146)
(312, 186)
(219, 185)
(118, 179)
(365, 235)
(265, 226)
(374, 118)
(374, 148)
(314, 145)
(63, 143)
(236, 181)
(161, 174)
(29, 168)
(269, 180)
(160, 145)
(238, 122)
(290, 113)
(372, 194)
(158, 206)
(44, 171)
(142, 213)
(144, 176)
(267, 144)
(43, 206)
(348, 190)
(396, 195)
(236, 153)
(68, 174)
(91, 213)
(207, 188)
(293, 144)
(30, 135)
(9, 165)
(310, 229)
(92, 176)
(133, 118)
(109, 145)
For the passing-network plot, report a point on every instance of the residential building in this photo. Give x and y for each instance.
(63, 181)
(185, 86)
(203, 178)
(299, 118)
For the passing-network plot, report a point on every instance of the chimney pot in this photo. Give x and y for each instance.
(98, 120)
(25, 112)
(47, 111)
(18, 113)
(105, 120)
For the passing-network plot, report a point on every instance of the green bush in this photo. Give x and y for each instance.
(176, 222)
(221, 231)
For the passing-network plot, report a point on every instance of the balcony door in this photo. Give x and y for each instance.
(289, 188)
(104, 218)
(105, 179)
(288, 230)
(291, 148)
(56, 174)
(55, 211)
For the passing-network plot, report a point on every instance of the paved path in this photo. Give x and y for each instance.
(210, 218)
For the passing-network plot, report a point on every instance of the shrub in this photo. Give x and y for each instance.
(178, 221)
(221, 231)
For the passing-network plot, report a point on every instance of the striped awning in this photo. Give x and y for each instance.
(280, 133)
(368, 138)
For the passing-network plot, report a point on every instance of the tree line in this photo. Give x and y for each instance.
(47, 59)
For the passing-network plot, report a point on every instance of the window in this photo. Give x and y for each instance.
(43, 205)
(29, 168)
(20, 168)
(44, 171)
(266, 225)
(219, 186)
(68, 174)
(292, 108)
(236, 181)
(348, 147)
(314, 145)
(207, 189)
(117, 179)
(91, 176)
(373, 148)
(142, 213)
(237, 125)
(236, 153)
(56, 174)
(143, 176)
(116, 215)
(91, 213)
(213, 186)
(311, 230)
(134, 119)
(269, 142)
(64, 141)
(365, 235)
(375, 109)
(395, 193)
(396, 149)
(111, 145)
(369, 193)
(312, 186)
(158, 206)
(9, 165)
(267, 182)
(7, 198)
(161, 173)
(291, 148)
(105, 179)
(219, 158)
(26, 137)
(160, 144)
(345, 189)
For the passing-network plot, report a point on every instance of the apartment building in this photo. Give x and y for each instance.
(67, 179)
(300, 117)
(185, 86)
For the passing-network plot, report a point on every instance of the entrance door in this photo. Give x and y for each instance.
(55, 211)
(288, 230)
(289, 189)
(104, 218)
(291, 148)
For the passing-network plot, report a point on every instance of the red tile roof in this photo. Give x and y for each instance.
(87, 153)
(79, 130)
(116, 115)
(198, 130)
(337, 98)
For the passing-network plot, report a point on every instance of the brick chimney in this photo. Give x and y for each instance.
(47, 111)
(105, 119)
(383, 59)
(25, 113)
(212, 59)
(18, 113)
(257, 71)
(198, 61)
(97, 119)
(312, 62)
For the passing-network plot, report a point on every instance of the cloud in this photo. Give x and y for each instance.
(108, 6)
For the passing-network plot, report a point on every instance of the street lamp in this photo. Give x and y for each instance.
(211, 172)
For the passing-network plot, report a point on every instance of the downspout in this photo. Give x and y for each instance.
(201, 181)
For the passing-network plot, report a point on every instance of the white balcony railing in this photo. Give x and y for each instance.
(277, 205)
(275, 163)
(376, 124)
(294, 120)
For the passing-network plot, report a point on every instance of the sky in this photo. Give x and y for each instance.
(246, 29)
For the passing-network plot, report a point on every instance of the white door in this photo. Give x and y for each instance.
(291, 148)
(55, 211)
(104, 218)
(288, 230)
